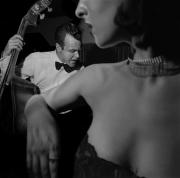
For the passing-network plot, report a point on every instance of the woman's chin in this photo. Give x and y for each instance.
(102, 43)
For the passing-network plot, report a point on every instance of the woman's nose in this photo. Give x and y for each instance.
(81, 11)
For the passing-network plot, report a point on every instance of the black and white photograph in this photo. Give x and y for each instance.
(89, 89)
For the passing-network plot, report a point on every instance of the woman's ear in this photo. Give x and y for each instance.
(129, 13)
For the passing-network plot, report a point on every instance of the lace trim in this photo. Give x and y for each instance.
(157, 66)
(154, 60)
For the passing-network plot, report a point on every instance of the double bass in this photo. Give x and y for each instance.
(14, 91)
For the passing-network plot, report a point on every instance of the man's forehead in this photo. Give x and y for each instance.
(70, 40)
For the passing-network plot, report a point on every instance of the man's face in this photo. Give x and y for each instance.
(70, 51)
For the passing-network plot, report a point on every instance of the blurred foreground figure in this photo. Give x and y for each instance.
(135, 103)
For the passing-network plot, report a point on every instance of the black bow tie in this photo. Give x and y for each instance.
(67, 68)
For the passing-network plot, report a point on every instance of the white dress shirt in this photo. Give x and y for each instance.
(40, 68)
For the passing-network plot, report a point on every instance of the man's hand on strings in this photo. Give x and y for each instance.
(15, 42)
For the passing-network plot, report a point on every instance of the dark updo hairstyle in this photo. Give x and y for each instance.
(67, 28)
(157, 20)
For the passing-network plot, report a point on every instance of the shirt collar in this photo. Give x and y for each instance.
(55, 57)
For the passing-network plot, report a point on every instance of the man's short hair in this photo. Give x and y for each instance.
(67, 28)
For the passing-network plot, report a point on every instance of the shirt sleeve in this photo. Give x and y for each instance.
(27, 70)
(4, 61)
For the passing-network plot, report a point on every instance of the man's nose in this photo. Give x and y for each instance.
(77, 54)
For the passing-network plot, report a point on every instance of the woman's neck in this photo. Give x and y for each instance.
(141, 53)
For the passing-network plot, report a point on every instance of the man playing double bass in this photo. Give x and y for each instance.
(47, 70)
(42, 68)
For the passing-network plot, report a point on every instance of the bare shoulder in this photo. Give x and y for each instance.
(98, 69)
(96, 75)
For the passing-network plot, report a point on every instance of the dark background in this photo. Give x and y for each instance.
(12, 12)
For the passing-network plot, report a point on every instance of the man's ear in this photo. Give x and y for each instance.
(58, 47)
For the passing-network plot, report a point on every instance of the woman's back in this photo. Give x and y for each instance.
(137, 120)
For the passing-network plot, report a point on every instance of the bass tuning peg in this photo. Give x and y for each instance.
(49, 9)
(42, 16)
